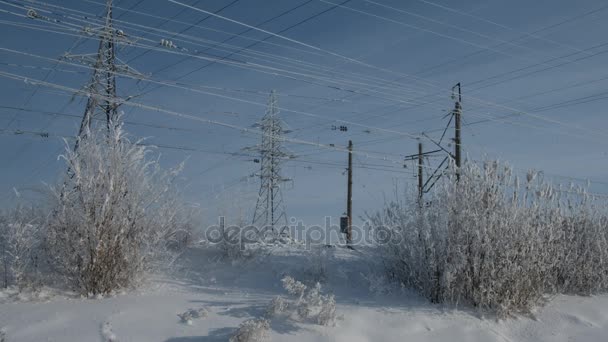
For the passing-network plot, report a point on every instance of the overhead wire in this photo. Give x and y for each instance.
(555, 122)
(81, 92)
(351, 59)
(531, 35)
(375, 86)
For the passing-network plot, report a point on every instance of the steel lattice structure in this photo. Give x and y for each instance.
(102, 102)
(269, 209)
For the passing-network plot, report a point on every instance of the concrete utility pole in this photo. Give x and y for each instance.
(457, 141)
(420, 181)
(349, 195)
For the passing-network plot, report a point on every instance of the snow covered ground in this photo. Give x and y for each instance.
(235, 292)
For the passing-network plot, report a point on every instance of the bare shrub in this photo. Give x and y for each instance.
(114, 215)
(490, 242)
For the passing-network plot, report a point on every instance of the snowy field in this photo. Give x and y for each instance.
(232, 292)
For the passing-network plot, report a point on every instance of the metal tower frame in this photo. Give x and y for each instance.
(269, 208)
(102, 102)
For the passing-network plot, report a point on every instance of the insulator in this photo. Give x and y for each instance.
(31, 13)
(167, 43)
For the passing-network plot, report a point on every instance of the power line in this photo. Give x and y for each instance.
(81, 92)
(532, 35)
(489, 103)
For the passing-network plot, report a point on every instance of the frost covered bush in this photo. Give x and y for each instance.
(278, 305)
(19, 241)
(115, 214)
(190, 314)
(494, 243)
(252, 330)
(307, 303)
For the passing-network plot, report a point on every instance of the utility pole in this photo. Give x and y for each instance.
(349, 196)
(420, 181)
(457, 142)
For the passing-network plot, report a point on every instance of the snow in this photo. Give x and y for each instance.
(231, 293)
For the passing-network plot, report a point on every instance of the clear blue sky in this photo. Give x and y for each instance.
(542, 60)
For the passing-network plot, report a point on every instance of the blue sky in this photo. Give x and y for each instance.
(541, 62)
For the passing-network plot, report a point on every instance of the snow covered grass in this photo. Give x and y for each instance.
(316, 271)
(235, 293)
(235, 242)
(489, 242)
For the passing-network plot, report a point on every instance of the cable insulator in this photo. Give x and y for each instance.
(32, 14)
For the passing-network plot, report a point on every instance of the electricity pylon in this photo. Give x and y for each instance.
(269, 208)
(102, 101)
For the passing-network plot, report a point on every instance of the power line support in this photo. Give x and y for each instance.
(420, 175)
(349, 196)
(457, 125)
(102, 103)
(269, 208)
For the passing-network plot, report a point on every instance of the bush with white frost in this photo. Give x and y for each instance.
(252, 330)
(19, 240)
(278, 305)
(307, 304)
(115, 214)
(494, 243)
(190, 314)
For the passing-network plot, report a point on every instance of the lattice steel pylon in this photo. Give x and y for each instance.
(102, 100)
(269, 208)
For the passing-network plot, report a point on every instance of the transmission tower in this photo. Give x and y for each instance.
(269, 208)
(102, 103)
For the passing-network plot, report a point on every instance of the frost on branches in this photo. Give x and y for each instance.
(115, 214)
(308, 304)
(252, 330)
(19, 238)
(496, 244)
